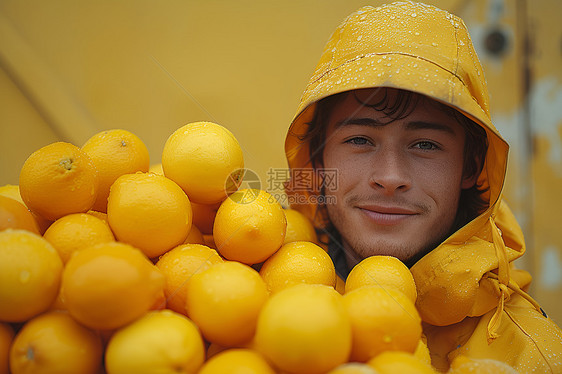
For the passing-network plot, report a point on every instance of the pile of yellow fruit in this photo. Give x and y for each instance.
(108, 265)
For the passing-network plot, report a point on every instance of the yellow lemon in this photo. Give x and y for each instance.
(205, 159)
(382, 319)
(304, 329)
(299, 228)
(233, 361)
(178, 266)
(30, 274)
(54, 342)
(392, 362)
(108, 285)
(225, 301)
(158, 342)
(76, 231)
(115, 152)
(298, 262)
(57, 180)
(383, 271)
(149, 211)
(249, 226)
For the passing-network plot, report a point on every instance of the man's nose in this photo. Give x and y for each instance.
(390, 172)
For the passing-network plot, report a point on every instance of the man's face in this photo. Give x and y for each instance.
(398, 183)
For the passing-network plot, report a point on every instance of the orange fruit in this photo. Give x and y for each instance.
(225, 301)
(13, 191)
(114, 153)
(158, 342)
(383, 271)
(304, 329)
(109, 285)
(30, 273)
(178, 266)
(392, 362)
(149, 211)
(299, 228)
(353, 368)
(205, 159)
(298, 262)
(76, 231)
(57, 180)
(15, 215)
(55, 343)
(466, 365)
(382, 319)
(6, 338)
(237, 361)
(195, 236)
(249, 226)
(204, 216)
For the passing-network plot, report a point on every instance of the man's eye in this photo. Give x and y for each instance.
(358, 141)
(426, 146)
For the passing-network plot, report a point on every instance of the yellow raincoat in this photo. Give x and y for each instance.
(470, 296)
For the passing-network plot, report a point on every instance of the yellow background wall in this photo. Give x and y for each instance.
(69, 69)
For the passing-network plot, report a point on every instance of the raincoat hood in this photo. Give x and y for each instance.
(431, 53)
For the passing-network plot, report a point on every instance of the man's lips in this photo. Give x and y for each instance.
(387, 215)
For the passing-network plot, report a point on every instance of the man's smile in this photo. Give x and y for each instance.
(387, 215)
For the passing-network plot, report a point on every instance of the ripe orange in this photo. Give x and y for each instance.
(178, 266)
(383, 271)
(30, 272)
(57, 180)
(204, 216)
(304, 329)
(13, 191)
(55, 343)
(466, 365)
(158, 342)
(298, 262)
(76, 231)
(109, 285)
(225, 301)
(6, 338)
(382, 319)
(114, 153)
(205, 159)
(15, 215)
(392, 362)
(149, 211)
(299, 228)
(249, 226)
(353, 368)
(234, 361)
(195, 236)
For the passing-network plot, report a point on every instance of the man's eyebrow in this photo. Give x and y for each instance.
(358, 121)
(424, 125)
(414, 125)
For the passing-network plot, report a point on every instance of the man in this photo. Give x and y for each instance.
(398, 106)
